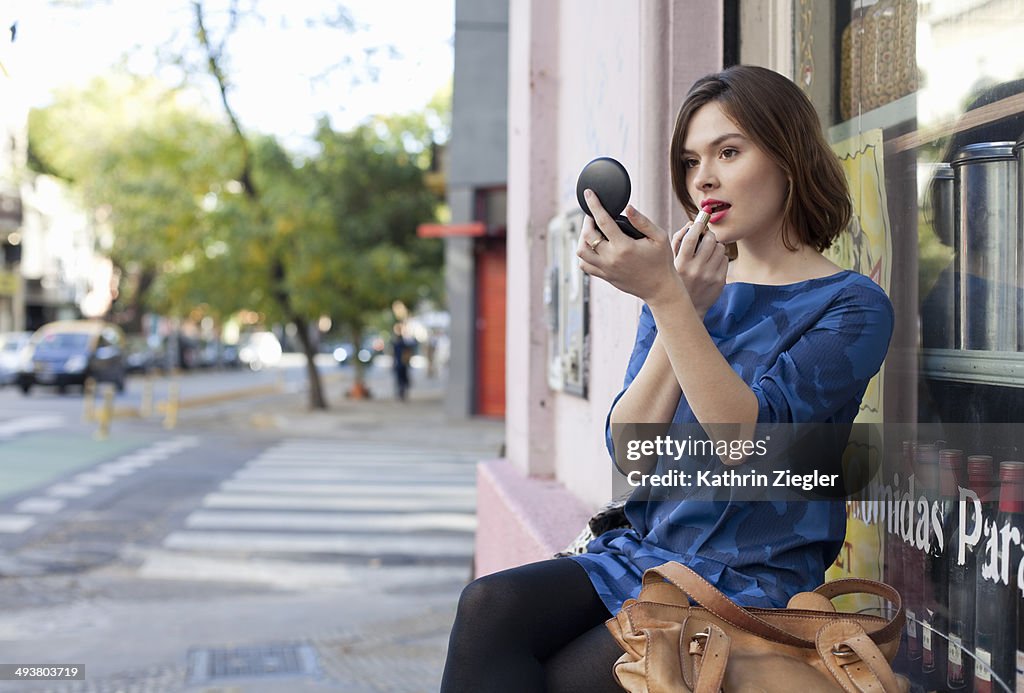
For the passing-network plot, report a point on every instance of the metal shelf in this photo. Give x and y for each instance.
(1003, 368)
(902, 110)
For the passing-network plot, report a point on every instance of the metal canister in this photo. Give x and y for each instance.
(985, 180)
(940, 308)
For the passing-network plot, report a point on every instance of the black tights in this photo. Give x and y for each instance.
(538, 627)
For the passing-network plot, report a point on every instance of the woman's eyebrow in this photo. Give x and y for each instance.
(717, 141)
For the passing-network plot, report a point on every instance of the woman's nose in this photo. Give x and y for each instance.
(704, 178)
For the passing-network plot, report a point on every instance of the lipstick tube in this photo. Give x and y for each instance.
(700, 223)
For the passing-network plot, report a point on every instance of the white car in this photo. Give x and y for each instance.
(13, 352)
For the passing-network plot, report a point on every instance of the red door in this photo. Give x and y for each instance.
(490, 327)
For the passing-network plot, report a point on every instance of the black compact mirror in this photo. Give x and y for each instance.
(610, 182)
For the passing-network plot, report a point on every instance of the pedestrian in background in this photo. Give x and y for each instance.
(401, 354)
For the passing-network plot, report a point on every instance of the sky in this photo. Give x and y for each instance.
(274, 64)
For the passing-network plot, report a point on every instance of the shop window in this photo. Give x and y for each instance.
(924, 103)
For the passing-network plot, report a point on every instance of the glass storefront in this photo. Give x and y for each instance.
(924, 103)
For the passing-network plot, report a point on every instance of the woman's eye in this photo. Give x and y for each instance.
(729, 153)
(690, 163)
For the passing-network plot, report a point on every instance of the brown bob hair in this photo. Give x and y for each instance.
(780, 119)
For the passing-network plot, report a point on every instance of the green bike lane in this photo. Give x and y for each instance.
(33, 460)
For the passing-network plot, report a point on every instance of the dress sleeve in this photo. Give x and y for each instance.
(646, 331)
(829, 366)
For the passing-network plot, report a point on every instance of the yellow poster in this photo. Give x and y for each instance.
(867, 248)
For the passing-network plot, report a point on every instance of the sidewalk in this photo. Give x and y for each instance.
(420, 421)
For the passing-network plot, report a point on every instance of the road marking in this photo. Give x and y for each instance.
(42, 506)
(407, 476)
(286, 574)
(15, 524)
(69, 491)
(442, 492)
(94, 479)
(353, 522)
(356, 544)
(337, 499)
(119, 468)
(26, 424)
(346, 455)
(303, 502)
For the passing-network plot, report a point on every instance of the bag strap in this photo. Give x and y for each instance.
(854, 659)
(894, 626)
(708, 596)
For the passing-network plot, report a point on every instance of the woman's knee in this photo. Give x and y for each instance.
(490, 597)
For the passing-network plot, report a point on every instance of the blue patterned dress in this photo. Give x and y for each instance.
(808, 351)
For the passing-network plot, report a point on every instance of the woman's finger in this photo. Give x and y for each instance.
(605, 224)
(591, 269)
(689, 242)
(642, 224)
(677, 240)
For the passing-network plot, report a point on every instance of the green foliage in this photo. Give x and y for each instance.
(335, 233)
(140, 155)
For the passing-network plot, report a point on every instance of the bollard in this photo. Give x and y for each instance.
(171, 416)
(146, 404)
(106, 415)
(89, 400)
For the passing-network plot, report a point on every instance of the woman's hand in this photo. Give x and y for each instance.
(702, 263)
(638, 266)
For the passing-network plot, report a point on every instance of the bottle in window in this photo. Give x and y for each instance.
(995, 629)
(963, 570)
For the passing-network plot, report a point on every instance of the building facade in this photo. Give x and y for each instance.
(475, 252)
(51, 261)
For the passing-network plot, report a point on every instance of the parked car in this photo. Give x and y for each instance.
(70, 352)
(144, 355)
(12, 352)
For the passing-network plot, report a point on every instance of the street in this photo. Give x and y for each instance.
(254, 546)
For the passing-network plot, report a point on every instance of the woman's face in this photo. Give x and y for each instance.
(725, 168)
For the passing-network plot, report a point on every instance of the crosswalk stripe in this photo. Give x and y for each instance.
(15, 524)
(27, 424)
(42, 506)
(338, 499)
(441, 492)
(94, 479)
(69, 490)
(354, 522)
(349, 475)
(355, 451)
(364, 464)
(348, 544)
(349, 448)
(304, 502)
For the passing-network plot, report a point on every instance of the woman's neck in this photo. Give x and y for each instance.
(773, 263)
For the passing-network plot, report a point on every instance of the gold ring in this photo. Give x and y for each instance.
(593, 244)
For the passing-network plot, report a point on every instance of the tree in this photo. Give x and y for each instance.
(210, 215)
(144, 157)
(372, 196)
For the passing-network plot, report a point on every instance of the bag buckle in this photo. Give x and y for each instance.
(843, 650)
(699, 641)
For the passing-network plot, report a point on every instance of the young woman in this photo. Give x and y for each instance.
(779, 335)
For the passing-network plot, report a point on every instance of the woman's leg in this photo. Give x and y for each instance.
(510, 622)
(585, 664)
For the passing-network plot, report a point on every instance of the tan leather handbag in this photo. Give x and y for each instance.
(673, 647)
